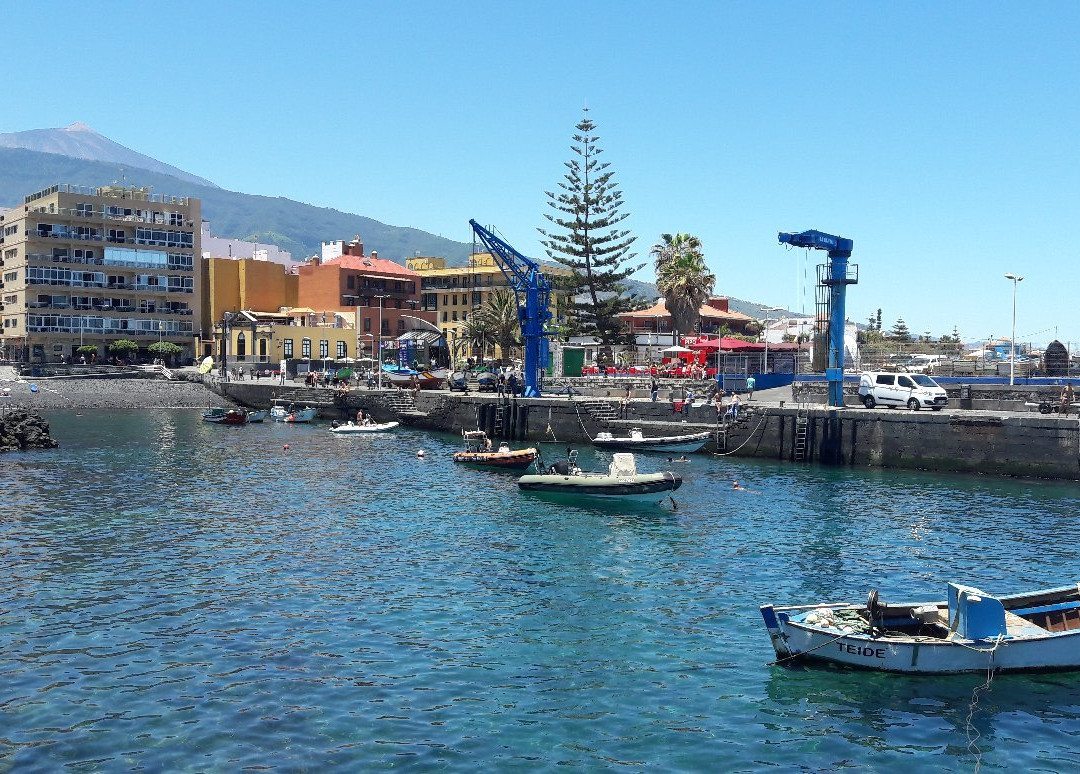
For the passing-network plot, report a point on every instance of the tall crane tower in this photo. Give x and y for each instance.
(833, 279)
(533, 293)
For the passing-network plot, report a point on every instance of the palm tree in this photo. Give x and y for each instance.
(683, 278)
(474, 334)
(496, 322)
(500, 315)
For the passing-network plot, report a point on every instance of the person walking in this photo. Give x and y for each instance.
(750, 385)
(687, 401)
(654, 388)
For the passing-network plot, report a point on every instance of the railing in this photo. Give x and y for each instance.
(101, 262)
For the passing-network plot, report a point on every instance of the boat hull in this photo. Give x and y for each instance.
(599, 485)
(1052, 644)
(512, 460)
(231, 417)
(363, 429)
(299, 415)
(676, 443)
(425, 380)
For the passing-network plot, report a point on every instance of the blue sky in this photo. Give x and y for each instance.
(941, 138)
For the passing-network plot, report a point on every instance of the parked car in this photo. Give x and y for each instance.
(899, 389)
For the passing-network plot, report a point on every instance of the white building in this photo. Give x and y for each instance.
(224, 247)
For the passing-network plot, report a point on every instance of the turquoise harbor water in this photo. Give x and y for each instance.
(185, 597)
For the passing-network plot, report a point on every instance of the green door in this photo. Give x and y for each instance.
(573, 359)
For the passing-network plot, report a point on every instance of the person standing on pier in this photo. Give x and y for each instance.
(1067, 398)
(750, 385)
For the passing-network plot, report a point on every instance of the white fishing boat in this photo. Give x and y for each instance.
(970, 631)
(257, 416)
(352, 428)
(424, 379)
(636, 441)
(621, 479)
(281, 412)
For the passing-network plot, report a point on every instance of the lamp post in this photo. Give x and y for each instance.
(382, 300)
(765, 330)
(1016, 280)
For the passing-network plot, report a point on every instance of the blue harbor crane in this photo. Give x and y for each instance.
(833, 280)
(533, 293)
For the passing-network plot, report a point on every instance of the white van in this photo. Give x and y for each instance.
(892, 389)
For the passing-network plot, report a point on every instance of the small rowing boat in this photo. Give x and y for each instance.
(220, 416)
(478, 451)
(970, 631)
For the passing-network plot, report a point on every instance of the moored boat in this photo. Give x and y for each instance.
(220, 416)
(620, 480)
(257, 416)
(426, 379)
(352, 428)
(289, 413)
(970, 631)
(636, 441)
(479, 451)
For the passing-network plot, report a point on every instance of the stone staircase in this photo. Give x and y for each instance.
(600, 411)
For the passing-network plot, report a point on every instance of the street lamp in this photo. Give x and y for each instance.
(765, 330)
(1016, 280)
(382, 300)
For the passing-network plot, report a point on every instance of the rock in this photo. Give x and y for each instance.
(21, 429)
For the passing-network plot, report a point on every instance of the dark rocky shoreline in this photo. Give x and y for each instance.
(21, 429)
(74, 393)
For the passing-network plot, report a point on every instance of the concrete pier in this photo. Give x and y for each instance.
(973, 441)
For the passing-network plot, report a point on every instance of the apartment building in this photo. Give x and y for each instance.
(455, 292)
(88, 266)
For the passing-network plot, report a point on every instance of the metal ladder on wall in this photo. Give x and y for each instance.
(802, 431)
(500, 420)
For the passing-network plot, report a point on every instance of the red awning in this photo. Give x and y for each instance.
(728, 345)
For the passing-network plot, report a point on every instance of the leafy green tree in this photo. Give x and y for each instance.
(123, 348)
(900, 330)
(683, 278)
(165, 350)
(86, 350)
(474, 334)
(588, 240)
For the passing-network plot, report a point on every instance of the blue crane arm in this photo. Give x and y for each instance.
(817, 240)
(532, 291)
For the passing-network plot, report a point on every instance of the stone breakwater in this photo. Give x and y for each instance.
(112, 394)
(21, 430)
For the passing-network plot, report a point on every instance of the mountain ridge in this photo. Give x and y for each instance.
(79, 141)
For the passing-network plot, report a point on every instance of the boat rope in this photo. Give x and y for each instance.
(764, 419)
(804, 652)
(969, 726)
(578, 414)
(556, 440)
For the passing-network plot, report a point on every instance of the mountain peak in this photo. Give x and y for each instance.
(79, 141)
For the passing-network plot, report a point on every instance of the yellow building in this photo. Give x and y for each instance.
(85, 267)
(310, 339)
(455, 292)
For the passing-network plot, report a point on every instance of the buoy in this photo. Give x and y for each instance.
(286, 447)
(420, 453)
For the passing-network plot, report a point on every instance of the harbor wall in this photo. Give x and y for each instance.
(1004, 443)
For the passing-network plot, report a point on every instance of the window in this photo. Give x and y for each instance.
(885, 379)
(350, 282)
(385, 327)
(305, 347)
(444, 317)
(397, 303)
(324, 348)
(397, 286)
(446, 300)
(903, 381)
(454, 318)
(288, 348)
(341, 350)
(367, 325)
(401, 326)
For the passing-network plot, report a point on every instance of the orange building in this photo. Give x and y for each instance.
(384, 296)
